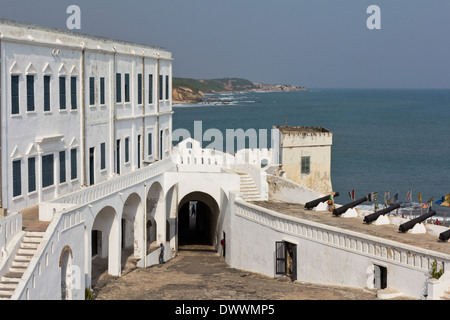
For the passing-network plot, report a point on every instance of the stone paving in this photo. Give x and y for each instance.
(198, 273)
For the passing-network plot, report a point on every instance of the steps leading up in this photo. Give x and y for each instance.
(248, 189)
(27, 249)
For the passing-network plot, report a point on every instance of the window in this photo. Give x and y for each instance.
(73, 92)
(15, 94)
(127, 87)
(139, 151)
(127, 150)
(31, 174)
(73, 164)
(161, 142)
(17, 179)
(150, 151)
(102, 91)
(30, 93)
(160, 87)
(102, 156)
(150, 88)
(139, 89)
(62, 166)
(167, 87)
(119, 87)
(305, 165)
(91, 91)
(118, 156)
(46, 93)
(47, 170)
(62, 93)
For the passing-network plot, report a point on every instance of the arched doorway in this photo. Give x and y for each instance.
(198, 215)
(156, 217)
(65, 263)
(132, 229)
(105, 244)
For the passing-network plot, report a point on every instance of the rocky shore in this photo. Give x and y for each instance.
(191, 94)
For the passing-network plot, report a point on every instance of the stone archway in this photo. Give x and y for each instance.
(65, 263)
(198, 217)
(105, 243)
(155, 217)
(132, 229)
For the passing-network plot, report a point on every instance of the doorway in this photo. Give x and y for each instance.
(286, 259)
(379, 277)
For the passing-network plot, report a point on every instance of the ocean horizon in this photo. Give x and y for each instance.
(384, 140)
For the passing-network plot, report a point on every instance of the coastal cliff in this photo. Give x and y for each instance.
(186, 90)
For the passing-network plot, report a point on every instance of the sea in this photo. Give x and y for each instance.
(384, 140)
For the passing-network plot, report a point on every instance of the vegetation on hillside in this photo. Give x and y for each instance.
(213, 85)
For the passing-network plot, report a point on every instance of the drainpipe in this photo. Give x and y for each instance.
(1, 142)
(145, 225)
(143, 109)
(83, 116)
(157, 111)
(113, 112)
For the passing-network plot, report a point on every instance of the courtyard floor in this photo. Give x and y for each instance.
(198, 273)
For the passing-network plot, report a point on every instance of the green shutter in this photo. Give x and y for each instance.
(15, 94)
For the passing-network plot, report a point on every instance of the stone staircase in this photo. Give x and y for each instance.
(248, 189)
(27, 249)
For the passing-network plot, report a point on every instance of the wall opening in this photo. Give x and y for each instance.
(286, 259)
(380, 277)
(197, 219)
(66, 275)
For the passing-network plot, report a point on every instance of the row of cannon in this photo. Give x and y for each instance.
(444, 236)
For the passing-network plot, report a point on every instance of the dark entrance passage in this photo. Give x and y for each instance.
(197, 220)
(194, 221)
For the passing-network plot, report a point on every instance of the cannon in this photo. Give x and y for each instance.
(311, 204)
(374, 216)
(444, 236)
(411, 223)
(341, 210)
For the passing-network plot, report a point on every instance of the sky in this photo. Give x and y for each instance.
(309, 43)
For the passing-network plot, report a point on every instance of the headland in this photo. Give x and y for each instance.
(187, 90)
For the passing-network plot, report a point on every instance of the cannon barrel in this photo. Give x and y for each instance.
(314, 203)
(374, 216)
(411, 223)
(444, 236)
(341, 210)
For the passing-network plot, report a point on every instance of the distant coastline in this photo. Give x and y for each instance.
(188, 91)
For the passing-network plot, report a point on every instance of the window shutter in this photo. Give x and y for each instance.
(46, 93)
(30, 93)
(62, 93)
(17, 183)
(15, 94)
(31, 174)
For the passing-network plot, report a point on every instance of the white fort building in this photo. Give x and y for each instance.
(89, 173)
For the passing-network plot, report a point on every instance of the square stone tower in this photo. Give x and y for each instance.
(304, 155)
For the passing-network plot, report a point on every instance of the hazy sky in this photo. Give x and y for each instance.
(312, 43)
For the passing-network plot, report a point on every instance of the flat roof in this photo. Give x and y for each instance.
(300, 129)
(69, 34)
(428, 240)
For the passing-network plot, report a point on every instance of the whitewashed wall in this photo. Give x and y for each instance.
(327, 255)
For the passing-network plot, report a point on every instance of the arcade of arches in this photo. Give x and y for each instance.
(116, 238)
